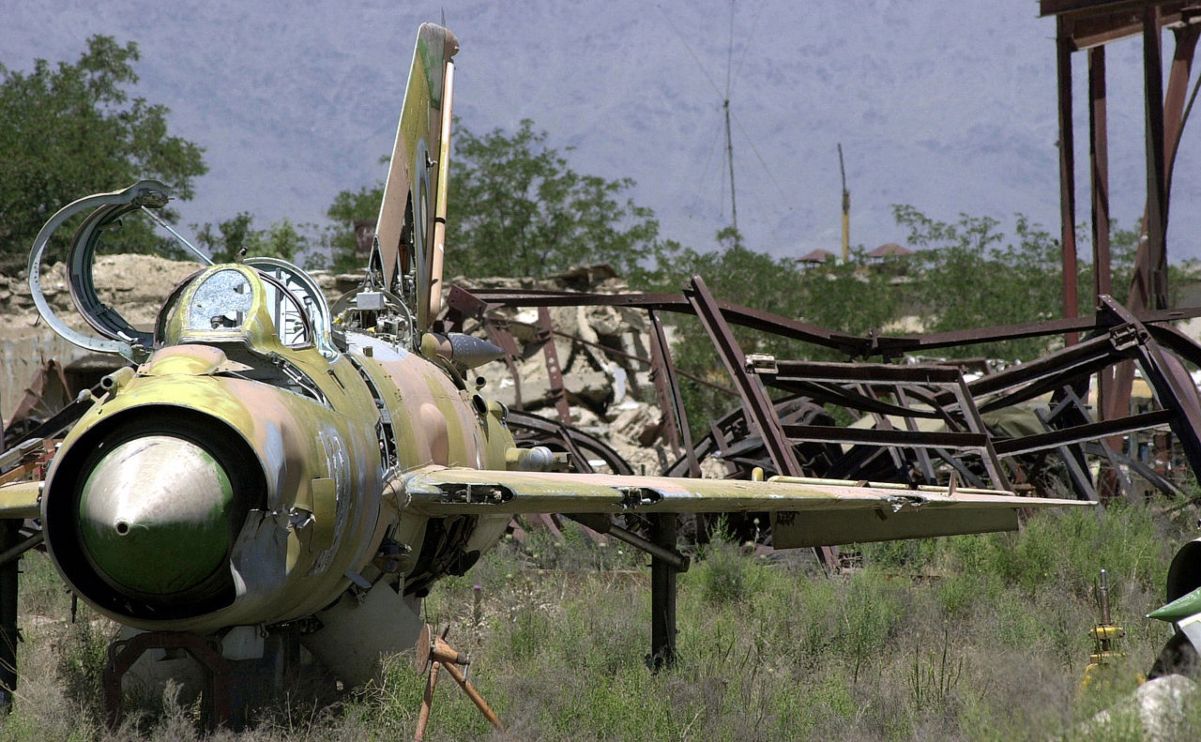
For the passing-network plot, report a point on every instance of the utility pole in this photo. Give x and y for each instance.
(846, 206)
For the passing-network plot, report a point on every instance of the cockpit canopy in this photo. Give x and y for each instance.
(266, 302)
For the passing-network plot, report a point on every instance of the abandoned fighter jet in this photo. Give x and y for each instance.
(267, 467)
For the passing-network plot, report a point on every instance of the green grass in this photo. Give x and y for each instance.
(979, 637)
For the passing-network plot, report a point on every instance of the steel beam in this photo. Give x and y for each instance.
(1067, 180)
(10, 539)
(1156, 217)
(663, 594)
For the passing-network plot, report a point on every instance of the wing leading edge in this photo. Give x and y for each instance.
(805, 512)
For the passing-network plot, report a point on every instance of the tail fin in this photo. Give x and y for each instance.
(410, 232)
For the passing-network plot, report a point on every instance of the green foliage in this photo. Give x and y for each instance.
(517, 208)
(972, 275)
(560, 651)
(726, 575)
(70, 129)
(228, 239)
(81, 665)
(348, 209)
(521, 210)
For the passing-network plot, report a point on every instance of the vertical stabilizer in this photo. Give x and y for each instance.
(409, 231)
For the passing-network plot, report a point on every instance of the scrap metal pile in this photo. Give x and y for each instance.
(1028, 427)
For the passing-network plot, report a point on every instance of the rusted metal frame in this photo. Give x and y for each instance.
(123, 654)
(715, 443)
(1089, 23)
(1156, 217)
(571, 438)
(670, 421)
(1177, 342)
(1174, 103)
(852, 345)
(758, 407)
(975, 424)
(882, 423)
(1048, 383)
(1156, 480)
(959, 338)
(734, 313)
(465, 303)
(499, 335)
(1070, 402)
(846, 398)
(885, 437)
(1081, 433)
(867, 373)
(1044, 382)
(966, 475)
(665, 382)
(723, 447)
(554, 371)
(1172, 392)
(491, 320)
(929, 397)
(853, 461)
(1081, 479)
(1098, 127)
(1080, 354)
(1099, 161)
(663, 593)
(10, 540)
(1067, 177)
(923, 456)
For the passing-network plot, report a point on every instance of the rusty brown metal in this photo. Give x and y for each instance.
(427, 702)
(666, 369)
(1109, 345)
(433, 652)
(1156, 216)
(554, 371)
(1067, 181)
(758, 407)
(217, 671)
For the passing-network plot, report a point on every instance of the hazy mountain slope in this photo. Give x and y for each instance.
(949, 107)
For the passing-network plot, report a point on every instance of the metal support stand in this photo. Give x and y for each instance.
(663, 595)
(123, 654)
(10, 537)
(433, 653)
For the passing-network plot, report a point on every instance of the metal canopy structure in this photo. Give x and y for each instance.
(1088, 26)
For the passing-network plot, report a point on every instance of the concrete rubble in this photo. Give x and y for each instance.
(608, 395)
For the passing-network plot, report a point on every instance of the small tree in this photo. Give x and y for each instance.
(235, 237)
(518, 209)
(68, 130)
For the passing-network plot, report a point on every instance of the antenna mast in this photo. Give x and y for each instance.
(730, 160)
(846, 203)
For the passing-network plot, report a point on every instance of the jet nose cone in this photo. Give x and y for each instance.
(154, 515)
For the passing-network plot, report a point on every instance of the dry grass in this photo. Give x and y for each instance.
(966, 638)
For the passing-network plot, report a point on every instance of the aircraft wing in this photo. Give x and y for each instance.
(20, 500)
(805, 512)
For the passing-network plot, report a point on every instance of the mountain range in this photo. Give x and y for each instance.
(949, 107)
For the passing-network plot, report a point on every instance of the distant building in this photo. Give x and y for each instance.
(817, 257)
(889, 250)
